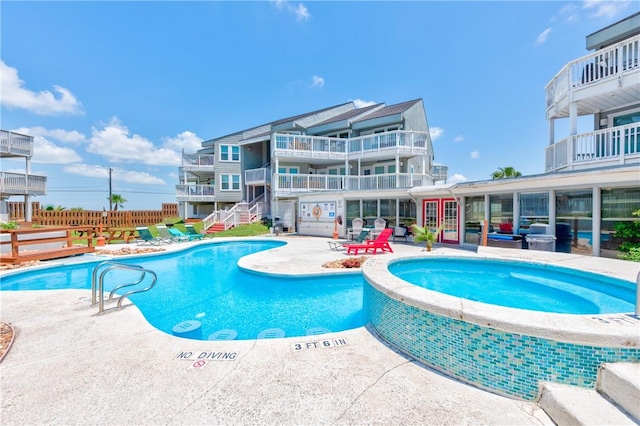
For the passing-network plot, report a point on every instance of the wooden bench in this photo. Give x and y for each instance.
(27, 244)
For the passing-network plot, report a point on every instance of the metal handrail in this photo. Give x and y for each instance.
(109, 265)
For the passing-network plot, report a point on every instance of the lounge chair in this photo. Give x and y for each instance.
(356, 228)
(166, 236)
(381, 243)
(176, 233)
(192, 233)
(378, 225)
(400, 232)
(342, 245)
(146, 237)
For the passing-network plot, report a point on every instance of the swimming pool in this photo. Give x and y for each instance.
(505, 350)
(203, 285)
(520, 285)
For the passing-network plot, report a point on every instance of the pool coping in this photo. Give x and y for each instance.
(611, 330)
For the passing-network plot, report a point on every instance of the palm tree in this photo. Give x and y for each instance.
(505, 173)
(117, 200)
(424, 233)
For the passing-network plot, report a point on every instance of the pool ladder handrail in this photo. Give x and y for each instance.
(108, 266)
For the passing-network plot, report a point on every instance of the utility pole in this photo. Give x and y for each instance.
(110, 195)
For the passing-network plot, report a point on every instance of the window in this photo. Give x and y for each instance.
(379, 170)
(290, 170)
(229, 153)
(230, 182)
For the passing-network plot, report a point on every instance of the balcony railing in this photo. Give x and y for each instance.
(261, 176)
(616, 145)
(590, 69)
(12, 143)
(203, 162)
(195, 192)
(439, 172)
(291, 183)
(407, 142)
(21, 184)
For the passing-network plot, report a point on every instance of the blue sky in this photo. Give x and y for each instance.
(128, 85)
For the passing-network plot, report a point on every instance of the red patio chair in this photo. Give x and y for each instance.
(382, 243)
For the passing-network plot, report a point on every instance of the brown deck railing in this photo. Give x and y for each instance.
(27, 244)
(112, 219)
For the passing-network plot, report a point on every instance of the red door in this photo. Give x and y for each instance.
(443, 210)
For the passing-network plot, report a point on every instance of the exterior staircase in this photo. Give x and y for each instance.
(614, 401)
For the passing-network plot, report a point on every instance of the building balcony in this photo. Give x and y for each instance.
(261, 176)
(22, 184)
(593, 80)
(15, 144)
(289, 184)
(376, 146)
(439, 172)
(193, 193)
(198, 162)
(607, 147)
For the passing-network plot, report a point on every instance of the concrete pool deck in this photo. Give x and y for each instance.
(69, 365)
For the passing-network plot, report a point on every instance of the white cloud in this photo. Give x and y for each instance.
(359, 103)
(117, 174)
(457, 178)
(186, 140)
(436, 132)
(117, 145)
(459, 138)
(568, 12)
(317, 81)
(542, 37)
(474, 155)
(45, 151)
(15, 95)
(605, 9)
(300, 11)
(61, 135)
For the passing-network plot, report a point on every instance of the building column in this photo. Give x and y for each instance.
(27, 199)
(462, 228)
(552, 131)
(552, 210)
(596, 224)
(516, 213)
(573, 118)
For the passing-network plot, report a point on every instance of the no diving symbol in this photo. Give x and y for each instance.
(198, 364)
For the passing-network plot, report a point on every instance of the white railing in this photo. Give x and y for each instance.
(195, 192)
(21, 184)
(590, 69)
(439, 172)
(616, 145)
(16, 144)
(308, 183)
(198, 161)
(257, 176)
(324, 147)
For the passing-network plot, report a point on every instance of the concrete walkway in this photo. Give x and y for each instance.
(71, 366)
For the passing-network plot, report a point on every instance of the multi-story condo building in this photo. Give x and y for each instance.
(591, 180)
(15, 145)
(317, 171)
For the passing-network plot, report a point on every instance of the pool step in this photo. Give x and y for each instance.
(620, 382)
(617, 387)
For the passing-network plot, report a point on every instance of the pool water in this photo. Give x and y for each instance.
(204, 284)
(520, 285)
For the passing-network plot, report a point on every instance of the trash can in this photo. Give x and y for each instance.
(278, 228)
(563, 237)
(542, 242)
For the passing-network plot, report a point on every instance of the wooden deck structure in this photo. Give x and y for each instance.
(27, 244)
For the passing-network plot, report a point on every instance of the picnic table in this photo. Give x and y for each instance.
(109, 234)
